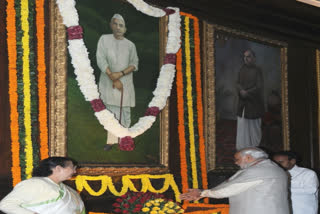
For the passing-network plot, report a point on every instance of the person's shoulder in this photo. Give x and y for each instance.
(305, 170)
(34, 183)
(129, 42)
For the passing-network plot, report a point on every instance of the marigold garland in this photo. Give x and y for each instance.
(197, 59)
(106, 182)
(185, 95)
(190, 106)
(181, 128)
(13, 96)
(26, 89)
(42, 87)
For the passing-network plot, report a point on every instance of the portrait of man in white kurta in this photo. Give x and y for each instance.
(117, 59)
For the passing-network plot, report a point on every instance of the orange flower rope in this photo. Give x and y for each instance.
(188, 74)
(13, 96)
(42, 89)
(199, 101)
(181, 128)
(199, 105)
(216, 208)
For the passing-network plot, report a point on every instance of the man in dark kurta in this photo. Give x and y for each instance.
(251, 103)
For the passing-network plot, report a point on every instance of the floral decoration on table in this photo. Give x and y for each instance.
(86, 79)
(161, 206)
(145, 202)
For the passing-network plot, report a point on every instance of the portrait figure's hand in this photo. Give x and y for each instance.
(118, 85)
(115, 75)
(243, 93)
(191, 195)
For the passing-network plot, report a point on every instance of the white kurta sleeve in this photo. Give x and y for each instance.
(29, 191)
(229, 190)
(21, 193)
(101, 55)
(134, 60)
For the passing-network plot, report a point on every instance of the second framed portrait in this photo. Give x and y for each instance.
(119, 40)
(246, 92)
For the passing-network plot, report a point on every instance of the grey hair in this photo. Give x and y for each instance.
(254, 152)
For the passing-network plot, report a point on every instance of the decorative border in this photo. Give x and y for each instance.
(127, 184)
(57, 84)
(209, 87)
(58, 103)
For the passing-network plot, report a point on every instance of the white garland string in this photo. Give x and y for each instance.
(84, 71)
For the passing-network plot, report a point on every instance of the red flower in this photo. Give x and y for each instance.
(138, 206)
(131, 200)
(119, 200)
(124, 196)
(125, 211)
(118, 210)
(116, 205)
(126, 144)
(126, 205)
(152, 111)
(136, 209)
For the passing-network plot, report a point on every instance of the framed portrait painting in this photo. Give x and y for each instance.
(74, 130)
(245, 80)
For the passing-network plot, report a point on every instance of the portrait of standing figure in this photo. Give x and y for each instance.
(245, 81)
(117, 59)
(124, 48)
(250, 108)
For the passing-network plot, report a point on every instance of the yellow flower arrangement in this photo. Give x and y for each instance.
(161, 206)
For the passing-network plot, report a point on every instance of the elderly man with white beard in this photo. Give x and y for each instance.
(259, 187)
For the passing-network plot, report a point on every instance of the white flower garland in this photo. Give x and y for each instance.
(86, 79)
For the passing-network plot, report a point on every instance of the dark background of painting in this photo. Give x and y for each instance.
(86, 137)
(229, 51)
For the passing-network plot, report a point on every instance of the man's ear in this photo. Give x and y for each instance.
(248, 158)
(57, 168)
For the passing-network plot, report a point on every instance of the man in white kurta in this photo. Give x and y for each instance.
(43, 196)
(260, 187)
(117, 59)
(304, 184)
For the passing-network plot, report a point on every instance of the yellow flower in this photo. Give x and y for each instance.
(156, 204)
(171, 211)
(145, 209)
(161, 212)
(171, 205)
(156, 208)
(154, 212)
(148, 204)
(181, 211)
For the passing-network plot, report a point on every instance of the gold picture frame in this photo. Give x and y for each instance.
(58, 104)
(210, 32)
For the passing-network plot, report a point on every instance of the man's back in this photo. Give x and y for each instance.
(270, 196)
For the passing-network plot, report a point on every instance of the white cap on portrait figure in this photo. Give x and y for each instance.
(118, 16)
